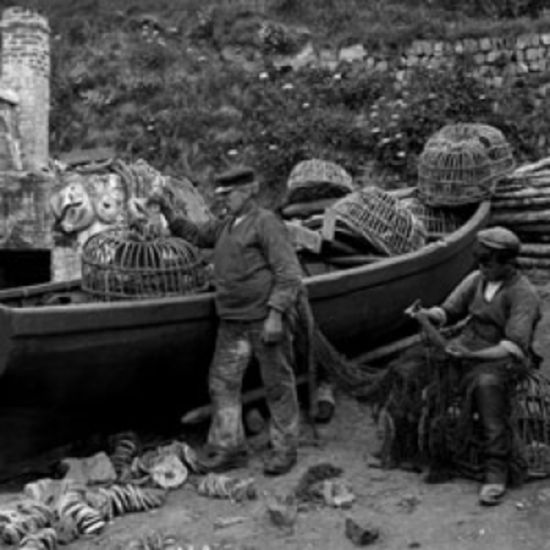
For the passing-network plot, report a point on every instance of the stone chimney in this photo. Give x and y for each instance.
(25, 68)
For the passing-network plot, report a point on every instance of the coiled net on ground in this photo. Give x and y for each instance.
(123, 264)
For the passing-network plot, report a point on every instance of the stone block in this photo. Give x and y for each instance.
(459, 47)
(416, 47)
(353, 53)
(328, 59)
(532, 54)
(470, 45)
(524, 41)
(545, 39)
(479, 58)
(485, 44)
(492, 56)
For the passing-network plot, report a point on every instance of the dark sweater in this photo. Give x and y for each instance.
(255, 266)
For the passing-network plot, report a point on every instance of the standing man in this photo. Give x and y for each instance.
(257, 278)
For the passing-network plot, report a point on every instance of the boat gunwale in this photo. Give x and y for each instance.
(45, 320)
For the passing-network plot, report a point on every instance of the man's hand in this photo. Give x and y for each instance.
(273, 327)
(157, 199)
(459, 351)
(434, 314)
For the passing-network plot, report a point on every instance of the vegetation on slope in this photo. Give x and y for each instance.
(151, 78)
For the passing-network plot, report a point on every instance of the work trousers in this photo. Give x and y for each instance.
(491, 387)
(237, 342)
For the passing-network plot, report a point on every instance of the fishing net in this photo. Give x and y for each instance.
(428, 415)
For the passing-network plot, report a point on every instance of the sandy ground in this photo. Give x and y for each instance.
(408, 512)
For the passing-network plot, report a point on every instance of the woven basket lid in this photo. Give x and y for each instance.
(316, 171)
(381, 219)
(497, 146)
(455, 173)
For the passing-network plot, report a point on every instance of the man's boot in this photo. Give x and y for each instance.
(492, 408)
(217, 459)
(280, 462)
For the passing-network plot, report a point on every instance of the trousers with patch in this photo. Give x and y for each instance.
(237, 342)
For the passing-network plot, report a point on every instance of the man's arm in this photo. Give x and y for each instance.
(455, 306)
(203, 235)
(282, 259)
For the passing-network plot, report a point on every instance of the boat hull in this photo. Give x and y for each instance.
(71, 370)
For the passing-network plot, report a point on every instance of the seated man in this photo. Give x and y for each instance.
(494, 349)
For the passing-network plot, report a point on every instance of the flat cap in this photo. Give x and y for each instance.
(499, 238)
(238, 175)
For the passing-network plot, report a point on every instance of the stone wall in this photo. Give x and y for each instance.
(25, 68)
(494, 59)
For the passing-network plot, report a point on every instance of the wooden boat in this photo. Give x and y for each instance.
(69, 369)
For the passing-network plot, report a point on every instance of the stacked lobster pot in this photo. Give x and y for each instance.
(461, 164)
(522, 203)
(335, 224)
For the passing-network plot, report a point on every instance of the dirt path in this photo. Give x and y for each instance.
(408, 513)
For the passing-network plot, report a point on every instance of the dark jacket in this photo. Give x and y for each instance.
(255, 266)
(511, 315)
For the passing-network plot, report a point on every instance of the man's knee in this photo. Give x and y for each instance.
(488, 379)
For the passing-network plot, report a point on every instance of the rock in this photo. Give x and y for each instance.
(282, 511)
(337, 493)
(221, 523)
(409, 503)
(353, 53)
(361, 535)
(304, 58)
(94, 469)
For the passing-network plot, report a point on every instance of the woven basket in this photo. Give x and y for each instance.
(121, 264)
(437, 221)
(454, 173)
(380, 219)
(317, 179)
(498, 149)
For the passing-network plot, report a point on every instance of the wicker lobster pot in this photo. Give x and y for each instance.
(454, 173)
(121, 264)
(497, 147)
(381, 220)
(437, 221)
(317, 179)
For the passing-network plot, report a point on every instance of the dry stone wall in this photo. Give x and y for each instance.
(495, 59)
